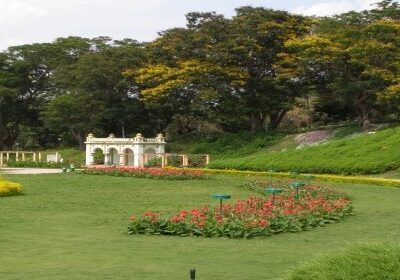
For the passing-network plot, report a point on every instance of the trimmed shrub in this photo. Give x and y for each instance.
(319, 177)
(8, 188)
(376, 261)
(36, 164)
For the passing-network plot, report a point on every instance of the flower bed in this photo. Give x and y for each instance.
(152, 173)
(256, 216)
(8, 188)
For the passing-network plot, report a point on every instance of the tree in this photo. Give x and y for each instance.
(98, 76)
(77, 113)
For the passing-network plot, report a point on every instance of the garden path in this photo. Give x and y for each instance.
(29, 170)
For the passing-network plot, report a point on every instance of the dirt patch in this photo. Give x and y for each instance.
(313, 138)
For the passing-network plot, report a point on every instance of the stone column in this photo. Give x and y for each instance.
(106, 159)
(40, 156)
(162, 161)
(16, 156)
(1, 159)
(121, 159)
(91, 159)
(8, 156)
(23, 156)
(34, 157)
(207, 159)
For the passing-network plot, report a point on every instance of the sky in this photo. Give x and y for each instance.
(37, 21)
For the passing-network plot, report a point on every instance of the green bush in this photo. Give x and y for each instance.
(154, 162)
(318, 177)
(377, 261)
(371, 153)
(36, 164)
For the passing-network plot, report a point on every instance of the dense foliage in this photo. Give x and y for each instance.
(216, 75)
(151, 173)
(369, 261)
(256, 216)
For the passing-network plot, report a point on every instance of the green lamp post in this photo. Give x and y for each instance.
(297, 185)
(274, 192)
(221, 196)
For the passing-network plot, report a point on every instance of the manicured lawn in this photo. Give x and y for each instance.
(70, 226)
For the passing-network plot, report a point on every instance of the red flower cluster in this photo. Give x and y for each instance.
(154, 173)
(254, 216)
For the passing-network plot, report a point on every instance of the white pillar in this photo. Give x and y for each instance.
(106, 159)
(1, 159)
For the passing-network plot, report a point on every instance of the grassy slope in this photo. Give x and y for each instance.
(70, 226)
(367, 153)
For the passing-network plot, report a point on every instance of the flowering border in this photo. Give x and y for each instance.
(151, 173)
(256, 216)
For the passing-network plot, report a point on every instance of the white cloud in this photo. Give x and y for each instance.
(332, 8)
(12, 11)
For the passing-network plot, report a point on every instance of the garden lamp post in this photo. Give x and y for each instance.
(273, 191)
(192, 274)
(221, 196)
(297, 185)
(59, 142)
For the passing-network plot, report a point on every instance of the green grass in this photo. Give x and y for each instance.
(364, 154)
(369, 261)
(71, 226)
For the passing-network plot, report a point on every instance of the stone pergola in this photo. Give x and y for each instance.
(124, 151)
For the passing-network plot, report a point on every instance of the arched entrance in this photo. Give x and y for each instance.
(128, 157)
(98, 156)
(113, 157)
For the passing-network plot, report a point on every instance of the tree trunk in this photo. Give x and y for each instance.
(275, 119)
(363, 111)
(255, 122)
(79, 136)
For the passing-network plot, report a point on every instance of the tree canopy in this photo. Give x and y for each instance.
(217, 74)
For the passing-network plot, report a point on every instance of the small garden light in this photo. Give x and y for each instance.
(221, 196)
(193, 274)
(274, 192)
(297, 185)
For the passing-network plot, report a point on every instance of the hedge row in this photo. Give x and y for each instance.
(319, 177)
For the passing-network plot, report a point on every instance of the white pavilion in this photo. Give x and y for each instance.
(124, 151)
